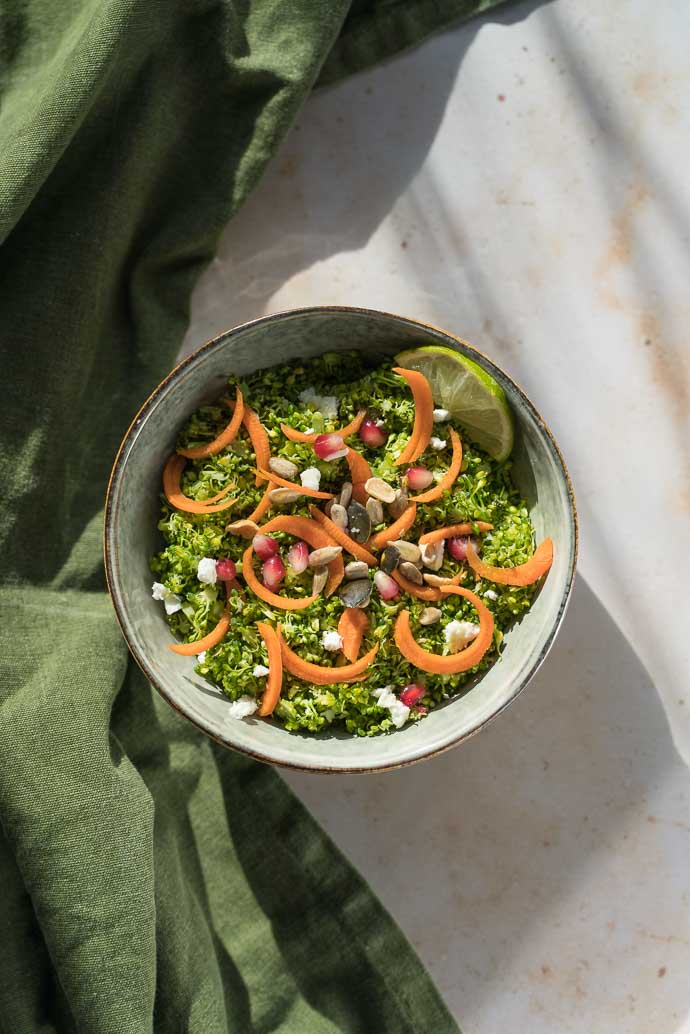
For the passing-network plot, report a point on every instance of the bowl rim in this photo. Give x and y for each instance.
(109, 549)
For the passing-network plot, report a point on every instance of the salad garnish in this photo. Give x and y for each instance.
(345, 575)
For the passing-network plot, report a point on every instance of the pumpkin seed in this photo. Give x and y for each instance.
(283, 468)
(375, 511)
(408, 550)
(356, 593)
(359, 522)
(399, 504)
(323, 556)
(379, 489)
(345, 494)
(284, 496)
(411, 572)
(338, 515)
(356, 569)
(246, 528)
(319, 580)
(390, 558)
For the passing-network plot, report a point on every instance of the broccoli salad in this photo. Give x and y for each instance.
(336, 550)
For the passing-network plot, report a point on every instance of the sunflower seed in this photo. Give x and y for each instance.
(429, 616)
(356, 593)
(328, 506)
(412, 573)
(390, 558)
(359, 522)
(246, 528)
(284, 496)
(338, 515)
(377, 488)
(345, 494)
(399, 504)
(375, 511)
(356, 569)
(408, 550)
(283, 468)
(319, 580)
(323, 556)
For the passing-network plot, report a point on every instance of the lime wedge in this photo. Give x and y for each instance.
(472, 397)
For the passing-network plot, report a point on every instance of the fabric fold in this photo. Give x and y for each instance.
(151, 881)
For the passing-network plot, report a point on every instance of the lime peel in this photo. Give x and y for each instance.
(468, 392)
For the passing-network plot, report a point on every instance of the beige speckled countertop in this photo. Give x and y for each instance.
(522, 181)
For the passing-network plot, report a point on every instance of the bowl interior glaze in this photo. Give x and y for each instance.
(131, 538)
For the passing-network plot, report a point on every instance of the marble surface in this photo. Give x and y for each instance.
(521, 181)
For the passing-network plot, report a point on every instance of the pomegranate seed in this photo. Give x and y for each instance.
(273, 572)
(421, 710)
(298, 557)
(457, 547)
(226, 570)
(412, 694)
(387, 587)
(264, 546)
(371, 434)
(419, 478)
(329, 447)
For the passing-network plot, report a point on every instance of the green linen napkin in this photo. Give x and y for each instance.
(149, 879)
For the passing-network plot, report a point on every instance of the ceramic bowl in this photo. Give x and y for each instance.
(131, 538)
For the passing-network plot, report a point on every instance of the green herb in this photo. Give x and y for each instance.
(483, 491)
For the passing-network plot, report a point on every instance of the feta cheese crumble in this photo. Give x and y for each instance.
(441, 415)
(201, 657)
(332, 641)
(206, 571)
(311, 478)
(385, 697)
(459, 633)
(490, 594)
(327, 405)
(438, 444)
(171, 602)
(259, 671)
(242, 708)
